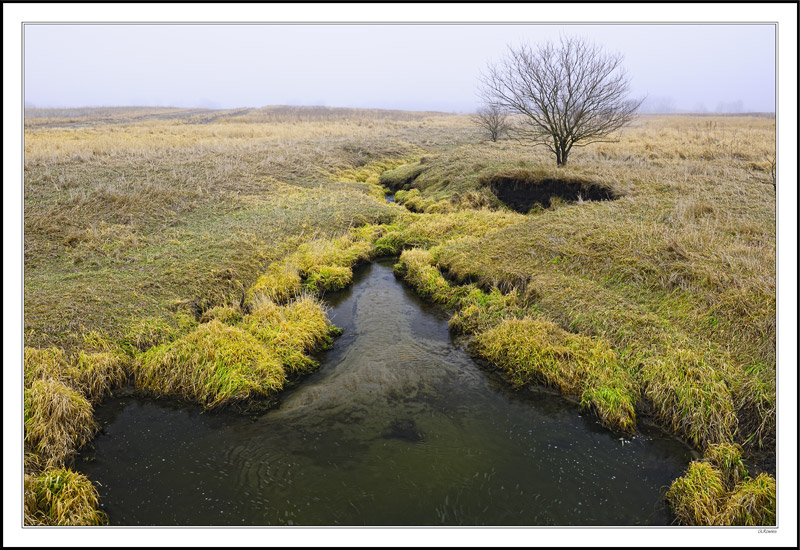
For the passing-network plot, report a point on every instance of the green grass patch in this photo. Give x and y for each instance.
(425, 231)
(479, 310)
(322, 278)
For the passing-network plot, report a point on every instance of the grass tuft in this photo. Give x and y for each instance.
(61, 497)
(691, 396)
(230, 315)
(44, 363)
(697, 496)
(58, 421)
(417, 267)
(280, 283)
(214, 365)
(344, 251)
(727, 458)
(97, 374)
(291, 332)
(716, 491)
(322, 278)
(531, 350)
(93, 375)
(754, 394)
(753, 502)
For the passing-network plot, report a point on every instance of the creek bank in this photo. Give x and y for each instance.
(522, 194)
(397, 427)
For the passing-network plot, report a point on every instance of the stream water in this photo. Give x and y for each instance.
(399, 427)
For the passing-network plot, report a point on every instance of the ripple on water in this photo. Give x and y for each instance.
(398, 427)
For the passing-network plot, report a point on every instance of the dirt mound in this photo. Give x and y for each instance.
(521, 190)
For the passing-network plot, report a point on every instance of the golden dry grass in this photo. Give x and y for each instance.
(166, 230)
(58, 421)
(531, 350)
(92, 374)
(61, 497)
(720, 491)
(215, 365)
(292, 331)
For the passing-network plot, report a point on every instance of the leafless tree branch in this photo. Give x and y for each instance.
(569, 94)
(494, 119)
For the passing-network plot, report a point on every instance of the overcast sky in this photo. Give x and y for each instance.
(415, 67)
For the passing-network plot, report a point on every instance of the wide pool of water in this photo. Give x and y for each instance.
(399, 427)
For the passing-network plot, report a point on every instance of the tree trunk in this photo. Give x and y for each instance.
(561, 155)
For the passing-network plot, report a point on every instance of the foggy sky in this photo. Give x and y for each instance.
(415, 67)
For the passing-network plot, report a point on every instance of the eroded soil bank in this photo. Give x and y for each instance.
(398, 427)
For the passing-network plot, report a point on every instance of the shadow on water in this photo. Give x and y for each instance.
(398, 427)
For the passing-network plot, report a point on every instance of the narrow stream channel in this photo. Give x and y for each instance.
(399, 427)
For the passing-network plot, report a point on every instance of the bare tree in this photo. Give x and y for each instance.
(569, 94)
(493, 118)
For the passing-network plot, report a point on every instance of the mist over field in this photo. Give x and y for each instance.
(680, 68)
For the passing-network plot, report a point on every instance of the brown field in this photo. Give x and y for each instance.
(150, 232)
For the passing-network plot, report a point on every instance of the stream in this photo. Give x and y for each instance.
(399, 427)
